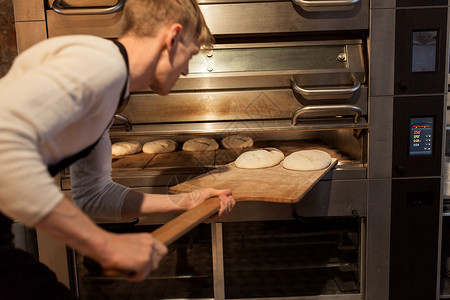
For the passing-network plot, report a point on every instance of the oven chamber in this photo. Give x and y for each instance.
(292, 75)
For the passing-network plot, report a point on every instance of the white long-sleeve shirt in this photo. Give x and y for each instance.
(57, 99)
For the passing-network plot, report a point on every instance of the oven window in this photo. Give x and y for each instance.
(424, 49)
(184, 273)
(291, 258)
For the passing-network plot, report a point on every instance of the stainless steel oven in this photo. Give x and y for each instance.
(345, 76)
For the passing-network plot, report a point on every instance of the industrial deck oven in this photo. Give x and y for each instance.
(364, 80)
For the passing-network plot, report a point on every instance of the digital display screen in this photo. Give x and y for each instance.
(424, 48)
(421, 136)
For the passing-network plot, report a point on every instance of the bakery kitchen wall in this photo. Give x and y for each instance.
(8, 48)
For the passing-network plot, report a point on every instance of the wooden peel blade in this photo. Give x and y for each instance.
(274, 184)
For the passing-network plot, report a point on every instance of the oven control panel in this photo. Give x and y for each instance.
(421, 136)
(417, 138)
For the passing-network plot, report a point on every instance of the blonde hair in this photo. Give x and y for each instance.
(146, 17)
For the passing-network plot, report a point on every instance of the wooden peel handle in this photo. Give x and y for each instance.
(177, 227)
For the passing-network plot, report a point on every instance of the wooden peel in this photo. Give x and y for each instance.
(274, 184)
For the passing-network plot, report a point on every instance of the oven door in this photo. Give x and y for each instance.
(104, 17)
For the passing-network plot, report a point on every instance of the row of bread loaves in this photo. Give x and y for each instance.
(304, 160)
(167, 145)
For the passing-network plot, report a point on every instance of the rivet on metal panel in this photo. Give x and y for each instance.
(342, 57)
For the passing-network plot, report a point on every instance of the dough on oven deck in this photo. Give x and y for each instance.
(200, 144)
(237, 141)
(159, 146)
(307, 160)
(259, 158)
(126, 148)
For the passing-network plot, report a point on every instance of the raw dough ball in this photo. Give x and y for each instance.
(259, 158)
(237, 141)
(126, 148)
(159, 146)
(307, 160)
(200, 144)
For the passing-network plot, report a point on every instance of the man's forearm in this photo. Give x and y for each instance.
(69, 225)
(136, 254)
(138, 204)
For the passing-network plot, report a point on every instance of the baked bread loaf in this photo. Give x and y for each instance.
(237, 141)
(259, 158)
(307, 160)
(159, 146)
(125, 148)
(200, 144)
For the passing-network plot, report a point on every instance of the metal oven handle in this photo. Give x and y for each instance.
(125, 120)
(324, 3)
(334, 110)
(326, 93)
(58, 6)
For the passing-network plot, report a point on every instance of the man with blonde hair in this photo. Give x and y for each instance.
(56, 105)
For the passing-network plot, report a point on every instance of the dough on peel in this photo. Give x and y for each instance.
(259, 158)
(125, 148)
(159, 146)
(307, 160)
(200, 144)
(237, 141)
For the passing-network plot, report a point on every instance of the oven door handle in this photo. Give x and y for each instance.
(125, 120)
(332, 110)
(326, 93)
(58, 6)
(325, 3)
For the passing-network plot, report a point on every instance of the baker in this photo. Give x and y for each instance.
(56, 105)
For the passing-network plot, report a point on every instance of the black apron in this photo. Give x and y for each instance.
(21, 276)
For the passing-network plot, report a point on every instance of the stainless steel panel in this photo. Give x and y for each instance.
(84, 3)
(235, 1)
(61, 7)
(97, 3)
(281, 17)
(107, 26)
(237, 18)
(269, 58)
(218, 270)
(267, 79)
(378, 239)
(381, 52)
(380, 138)
(375, 4)
(217, 106)
(269, 65)
(268, 128)
(352, 143)
(234, 106)
(447, 50)
(258, 211)
(334, 198)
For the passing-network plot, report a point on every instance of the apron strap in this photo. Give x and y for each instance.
(123, 51)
